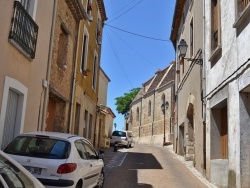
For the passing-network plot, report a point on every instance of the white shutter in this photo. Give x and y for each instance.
(10, 119)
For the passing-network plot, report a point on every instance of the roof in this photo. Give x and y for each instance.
(176, 20)
(102, 9)
(161, 78)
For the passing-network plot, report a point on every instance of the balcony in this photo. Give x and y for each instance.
(77, 9)
(24, 31)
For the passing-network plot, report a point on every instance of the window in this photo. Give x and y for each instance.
(29, 6)
(84, 52)
(90, 126)
(12, 176)
(77, 118)
(149, 108)
(90, 151)
(191, 39)
(215, 24)
(85, 128)
(62, 47)
(24, 31)
(94, 75)
(163, 99)
(81, 149)
(119, 133)
(137, 114)
(98, 31)
(242, 17)
(131, 116)
(89, 7)
(40, 147)
(215, 32)
(242, 4)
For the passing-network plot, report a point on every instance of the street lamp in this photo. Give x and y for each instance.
(164, 107)
(182, 48)
(115, 126)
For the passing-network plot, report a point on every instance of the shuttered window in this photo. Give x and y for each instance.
(10, 119)
(215, 24)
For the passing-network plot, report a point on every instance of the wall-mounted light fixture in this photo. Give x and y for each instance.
(182, 48)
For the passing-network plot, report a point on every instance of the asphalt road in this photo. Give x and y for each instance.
(148, 167)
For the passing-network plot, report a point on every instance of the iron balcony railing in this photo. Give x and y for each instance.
(245, 3)
(24, 30)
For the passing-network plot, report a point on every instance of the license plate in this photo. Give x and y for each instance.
(34, 170)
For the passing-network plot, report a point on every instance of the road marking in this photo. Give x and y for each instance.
(123, 158)
(117, 160)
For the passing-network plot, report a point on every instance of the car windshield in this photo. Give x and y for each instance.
(12, 176)
(119, 133)
(41, 147)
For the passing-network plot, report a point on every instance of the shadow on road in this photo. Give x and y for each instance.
(126, 175)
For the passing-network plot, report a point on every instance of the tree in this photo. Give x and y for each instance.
(123, 102)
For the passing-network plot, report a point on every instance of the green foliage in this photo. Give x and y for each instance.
(123, 102)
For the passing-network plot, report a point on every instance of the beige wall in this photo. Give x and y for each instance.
(189, 87)
(85, 94)
(20, 73)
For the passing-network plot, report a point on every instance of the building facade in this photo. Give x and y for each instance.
(105, 116)
(25, 49)
(190, 127)
(146, 119)
(62, 65)
(87, 71)
(227, 31)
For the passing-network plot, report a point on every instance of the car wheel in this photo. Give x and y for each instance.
(100, 180)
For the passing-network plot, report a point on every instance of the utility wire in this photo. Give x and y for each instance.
(224, 82)
(118, 60)
(137, 34)
(126, 11)
(155, 66)
(121, 9)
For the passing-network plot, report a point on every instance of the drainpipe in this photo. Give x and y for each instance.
(176, 137)
(204, 91)
(46, 96)
(39, 112)
(171, 110)
(204, 63)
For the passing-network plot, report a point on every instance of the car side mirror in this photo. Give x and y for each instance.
(101, 154)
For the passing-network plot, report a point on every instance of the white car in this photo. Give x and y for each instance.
(59, 159)
(14, 175)
(122, 138)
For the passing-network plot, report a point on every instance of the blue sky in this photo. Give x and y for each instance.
(135, 45)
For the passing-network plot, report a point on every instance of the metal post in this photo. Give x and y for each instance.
(164, 137)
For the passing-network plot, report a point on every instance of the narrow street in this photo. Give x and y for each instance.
(148, 166)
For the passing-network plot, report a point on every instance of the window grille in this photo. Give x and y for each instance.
(24, 30)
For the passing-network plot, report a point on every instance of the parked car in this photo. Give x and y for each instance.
(122, 138)
(59, 159)
(14, 175)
